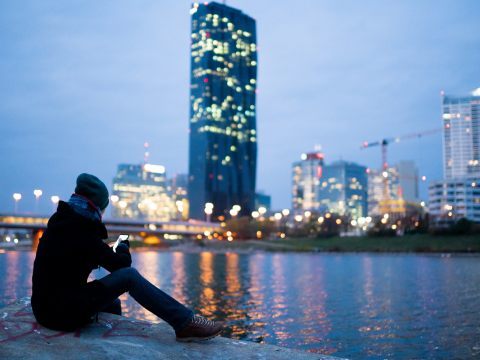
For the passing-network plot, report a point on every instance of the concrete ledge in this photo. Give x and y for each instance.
(117, 337)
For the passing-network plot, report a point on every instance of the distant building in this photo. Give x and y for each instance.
(402, 188)
(177, 189)
(223, 137)
(461, 135)
(140, 192)
(263, 200)
(451, 200)
(344, 189)
(458, 195)
(306, 176)
(340, 187)
(408, 180)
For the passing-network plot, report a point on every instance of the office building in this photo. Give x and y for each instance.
(140, 193)
(451, 200)
(340, 187)
(461, 135)
(402, 183)
(263, 200)
(458, 195)
(223, 137)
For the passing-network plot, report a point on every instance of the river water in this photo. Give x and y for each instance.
(350, 305)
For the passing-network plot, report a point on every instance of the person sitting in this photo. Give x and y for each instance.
(72, 246)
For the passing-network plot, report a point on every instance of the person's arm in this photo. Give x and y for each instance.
(110, 260)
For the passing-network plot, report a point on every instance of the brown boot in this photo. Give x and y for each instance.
(199, 328)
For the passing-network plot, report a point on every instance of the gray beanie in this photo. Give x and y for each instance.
(92, 188)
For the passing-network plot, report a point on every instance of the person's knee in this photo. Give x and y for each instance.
(128, 273)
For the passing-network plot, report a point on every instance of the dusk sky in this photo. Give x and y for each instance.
(83, 84)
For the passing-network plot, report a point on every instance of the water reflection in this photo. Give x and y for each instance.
(354, 306)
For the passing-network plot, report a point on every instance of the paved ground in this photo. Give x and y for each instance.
(116, 337)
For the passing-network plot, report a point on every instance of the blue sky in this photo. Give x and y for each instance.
(85, 83)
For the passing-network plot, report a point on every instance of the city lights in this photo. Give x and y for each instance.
(285, 212)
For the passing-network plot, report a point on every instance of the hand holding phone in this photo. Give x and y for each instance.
(121, 238)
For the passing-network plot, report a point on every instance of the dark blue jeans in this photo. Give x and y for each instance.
(146, 294)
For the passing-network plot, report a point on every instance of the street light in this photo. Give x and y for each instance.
(55, 199)
(17, 197)
(208, 210)
(286, 212)
(37, 193)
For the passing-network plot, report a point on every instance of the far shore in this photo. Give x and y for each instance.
(420, 243)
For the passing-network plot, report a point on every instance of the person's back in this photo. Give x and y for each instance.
(68, 251)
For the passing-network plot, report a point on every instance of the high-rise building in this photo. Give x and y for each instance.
(461, 135)
(340, 187)
(458, 195)
(408, 180)
(223, 137)
(306, 175)
(140, 192)
(402, 188)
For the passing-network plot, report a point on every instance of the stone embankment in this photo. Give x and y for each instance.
(118, 337)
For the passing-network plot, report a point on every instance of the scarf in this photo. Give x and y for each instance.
(83, 206)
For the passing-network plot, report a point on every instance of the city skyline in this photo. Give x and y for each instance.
(327, 76)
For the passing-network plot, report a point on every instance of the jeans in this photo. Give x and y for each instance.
(146, 294)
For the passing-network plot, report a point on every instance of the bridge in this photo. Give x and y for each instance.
(149, 231)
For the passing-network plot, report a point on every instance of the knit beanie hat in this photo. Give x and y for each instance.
(92, 188)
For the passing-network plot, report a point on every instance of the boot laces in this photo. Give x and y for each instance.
(201, 321)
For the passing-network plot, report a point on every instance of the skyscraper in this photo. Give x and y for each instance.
(340, 187)
(223, 138)
(458, 195)
(461, 135)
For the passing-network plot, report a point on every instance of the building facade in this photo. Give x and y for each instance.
(461, 135)
(223, 137)
(140, 192)
(341, 187)
(458, 195)
(451, 200)
(402, 185)
(306, 175)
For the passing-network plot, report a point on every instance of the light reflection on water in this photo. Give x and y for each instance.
(351, 305)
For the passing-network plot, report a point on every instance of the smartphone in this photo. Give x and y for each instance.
(122, 237)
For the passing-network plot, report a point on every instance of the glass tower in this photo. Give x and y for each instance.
(461, 135)
(223, 138)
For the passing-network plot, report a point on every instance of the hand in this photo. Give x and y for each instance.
(123, 247)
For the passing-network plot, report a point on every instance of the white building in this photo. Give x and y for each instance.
(458, 195)
(451, 200)
(461, 136)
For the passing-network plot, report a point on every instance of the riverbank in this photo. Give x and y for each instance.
(118, 337)
(423, 243)
(420, 243)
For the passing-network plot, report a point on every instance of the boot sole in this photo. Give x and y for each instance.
(193, 339)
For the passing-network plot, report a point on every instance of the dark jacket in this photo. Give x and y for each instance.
(71, 247)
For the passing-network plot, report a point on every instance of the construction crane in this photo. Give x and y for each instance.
(384, 146)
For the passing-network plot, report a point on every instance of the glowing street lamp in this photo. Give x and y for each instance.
(17, 197)
(37, 193)
(255, 214)
(55, 199)
(208, 210)
(262, 210)
(286, 212)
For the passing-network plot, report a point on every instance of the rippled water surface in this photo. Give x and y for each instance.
(351, 305)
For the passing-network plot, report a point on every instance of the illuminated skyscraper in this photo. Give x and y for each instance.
(140, 192)
(223, 138)
(461, 135)
(340, 187)
(458, 195)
